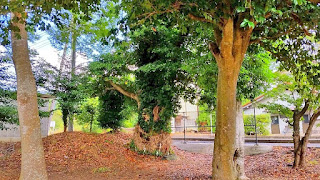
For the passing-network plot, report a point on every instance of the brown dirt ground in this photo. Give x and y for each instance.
(85, 156)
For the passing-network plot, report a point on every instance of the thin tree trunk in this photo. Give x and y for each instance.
(63, 58)
(70, 122)
(91, 122)
(73, 63)
(305, 139)
(65, 119)
(296, 140)
(32, 161)
(239, 155)
(296, 134)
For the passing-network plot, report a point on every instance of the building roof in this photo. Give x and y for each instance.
(257, 99)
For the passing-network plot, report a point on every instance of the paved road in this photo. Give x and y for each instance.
(250, 143)
(206, 147)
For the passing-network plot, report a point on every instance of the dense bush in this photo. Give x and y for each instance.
(111, 104)
(263, 120)
(204, 118)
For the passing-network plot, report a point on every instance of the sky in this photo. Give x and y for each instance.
(50, 54)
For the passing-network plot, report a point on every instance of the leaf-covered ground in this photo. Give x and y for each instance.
(105, 156)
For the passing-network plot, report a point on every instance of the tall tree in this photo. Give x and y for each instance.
(297, 86)
(31, 142)
(32, 161)
(231, 26)
(255, 76)
(154, 80)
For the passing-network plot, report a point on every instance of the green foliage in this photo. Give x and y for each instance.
(8, 114)
(159, 56)
(263, 120)
(110, 107)
(41, 14)
(89, 113)
(255, 75)
(151, 71)
(204, 118)
(129, 114)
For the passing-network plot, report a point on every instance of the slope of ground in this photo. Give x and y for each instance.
(105, 156)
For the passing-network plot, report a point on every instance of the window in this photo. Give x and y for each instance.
(275, 119)
(306, 118)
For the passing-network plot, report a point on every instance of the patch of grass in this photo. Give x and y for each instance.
(101, 170)
(109, 142)
(313, 162)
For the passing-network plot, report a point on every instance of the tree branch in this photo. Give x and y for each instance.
(126, 93)
(299, 21)
(313, 120)
(214, 49)
(197, 18)
(304, 109)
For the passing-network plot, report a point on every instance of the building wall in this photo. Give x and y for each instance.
(12, 131)
(284, 128)
(187, 115)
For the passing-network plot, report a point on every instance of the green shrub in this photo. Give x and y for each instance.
(263, 120)
(204, 118)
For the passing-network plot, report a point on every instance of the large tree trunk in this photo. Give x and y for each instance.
(32, 161)
(229, 51)
(152, 142)
(224, 144)
(239, 155)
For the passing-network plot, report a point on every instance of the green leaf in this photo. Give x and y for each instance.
(240, 9)
(251, 24)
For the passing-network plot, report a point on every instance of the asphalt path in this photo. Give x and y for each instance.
(247, 143)
(206, 147)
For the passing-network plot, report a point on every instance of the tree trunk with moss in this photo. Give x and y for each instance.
(32, 160)
(148, 142)
(154, 143)
(157, 143)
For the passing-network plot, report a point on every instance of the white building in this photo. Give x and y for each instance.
(186, 117)
(278, 123)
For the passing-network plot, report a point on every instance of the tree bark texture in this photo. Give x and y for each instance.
(151, 142)
(33, 165)
(296, 139)
(239, 155)
(302, 146)
(229, 51)
(296, 134)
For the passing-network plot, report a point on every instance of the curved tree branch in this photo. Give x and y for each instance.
(126, 93)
